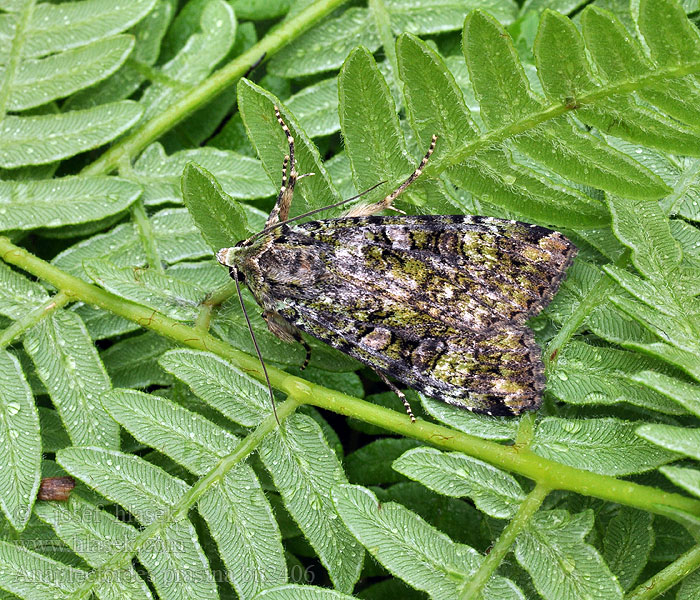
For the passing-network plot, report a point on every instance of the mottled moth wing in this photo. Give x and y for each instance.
(437, 302)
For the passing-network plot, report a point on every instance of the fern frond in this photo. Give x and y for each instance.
(51, 51)
(129, 357)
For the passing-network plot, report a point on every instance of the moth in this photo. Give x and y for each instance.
(435, 302)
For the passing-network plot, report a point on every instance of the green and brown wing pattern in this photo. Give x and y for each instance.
(438, 302)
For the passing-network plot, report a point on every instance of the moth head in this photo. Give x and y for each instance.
(227, 256)
(232, 257)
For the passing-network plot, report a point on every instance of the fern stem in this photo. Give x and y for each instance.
(15, 56)
(495, 136)
(145, 229)
(667, 577)
(383, 22)
(203, 319)
(28, 321)
(511, 458)
(687, 181)
(211, 87)
(531, 504)
(179, 510)
(157, 76)
(597, 295)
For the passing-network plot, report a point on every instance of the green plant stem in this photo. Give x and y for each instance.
(668, 577)
(155, 75)
(216, 298)
(597, 294)
(216, 83)
(531, 504)
(383, 22)
(145, 229)
(28, 321)
(203, 319)
(179, 510)
(220, 295)
(546, 472)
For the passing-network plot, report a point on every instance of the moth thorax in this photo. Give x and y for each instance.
(300, 265)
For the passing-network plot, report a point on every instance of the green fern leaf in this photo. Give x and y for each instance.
(566, 75)
(67, 362)
(432, 110)
(143, 489)
(690, 587)
(187, 438)
(562, 566)
(453, 474)
(627, 544)
(45, 79)
(203, 51)
(413, 550)
(372, 464)
(603, 30)
(316, 107)
(490, 428)
(32, 575)
(436, 16)
(148, 35)
(597, 375)
(174, 233)
(102, 324)
(605, 320)
(177, 565)
(304, 468)
(683, 440)
(20, 444)
(238, 515)
(301, 592)
(239, 176)
(159, 291)
(18, 295)
(47, 138)
(50, 51)
(686, 394)
(234, 394)
(58, 202)
(56, 27)
(606, 446)
(148, 492)
(376, 146)
(326, 46)
(53, 434)
(133, 363)
(688, 479)
(94, 535)
(208, 204)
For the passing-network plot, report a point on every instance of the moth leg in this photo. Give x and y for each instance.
(370, 209)
(286, 332)
(280, 211)
(399, 393)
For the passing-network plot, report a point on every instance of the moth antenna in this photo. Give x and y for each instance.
(255, 343)
(280, 211)
(255, 65)
(311, 212)
(364, 211)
